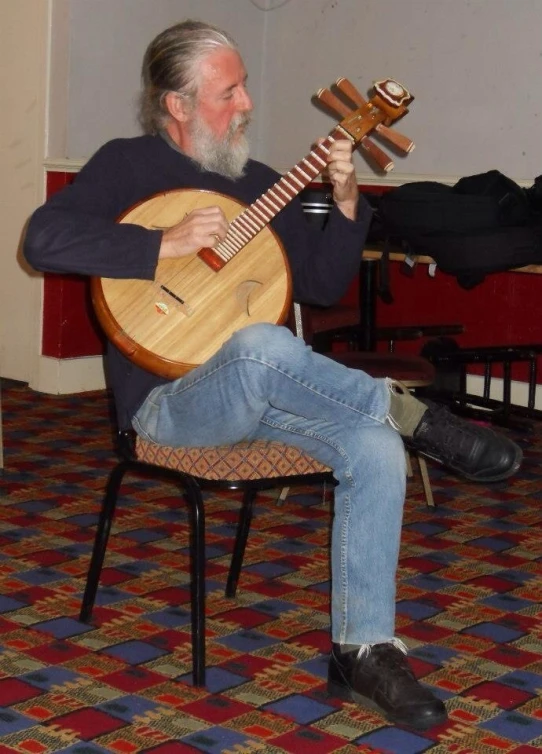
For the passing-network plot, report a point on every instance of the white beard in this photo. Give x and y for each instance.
(227, 156)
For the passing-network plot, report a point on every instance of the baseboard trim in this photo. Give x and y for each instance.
(64, 376)
(519, 391)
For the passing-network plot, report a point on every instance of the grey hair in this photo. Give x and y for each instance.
(170, 64)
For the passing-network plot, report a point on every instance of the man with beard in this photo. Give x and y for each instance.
(264, 383)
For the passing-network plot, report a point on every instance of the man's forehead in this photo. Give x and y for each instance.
(223, 68)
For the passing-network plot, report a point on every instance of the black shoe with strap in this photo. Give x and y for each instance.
(382, 680)
(476, 452)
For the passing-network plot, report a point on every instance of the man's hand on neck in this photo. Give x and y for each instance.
(343, 178)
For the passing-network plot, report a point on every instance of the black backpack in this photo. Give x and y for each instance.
(485, 223)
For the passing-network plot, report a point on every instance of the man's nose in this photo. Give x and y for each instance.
(244, 103)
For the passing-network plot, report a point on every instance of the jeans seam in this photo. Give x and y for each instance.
(140, 431)
(347, 509)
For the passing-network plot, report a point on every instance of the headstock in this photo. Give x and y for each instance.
(388, 103)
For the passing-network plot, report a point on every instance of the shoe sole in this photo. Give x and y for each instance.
(482, 479)
(349, 695)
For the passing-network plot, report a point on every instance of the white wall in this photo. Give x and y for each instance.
(23, 52)
(107, 41)
(473, 66)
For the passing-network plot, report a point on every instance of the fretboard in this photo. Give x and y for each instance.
(255, 217)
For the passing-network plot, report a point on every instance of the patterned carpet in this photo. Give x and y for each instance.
(469, 608)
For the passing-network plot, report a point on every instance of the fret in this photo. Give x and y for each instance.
(257, 205)
(306, 177)
(248, 231)
(267, 198)
(245, 236)
(221, 253)
(299, 183)
(286, 194)
(279, 199)
(229, 244)
(346, 134)
(317, 157)
(312, 168)
(261, 214)
(292, 188)
(246, 216)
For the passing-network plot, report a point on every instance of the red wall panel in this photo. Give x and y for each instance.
(502, 310)
(69, 327)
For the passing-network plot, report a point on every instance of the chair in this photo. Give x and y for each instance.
(342, 324)
(248, 467)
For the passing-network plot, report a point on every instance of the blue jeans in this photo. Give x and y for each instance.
(266, 384)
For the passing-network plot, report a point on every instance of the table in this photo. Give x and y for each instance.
(368, 288)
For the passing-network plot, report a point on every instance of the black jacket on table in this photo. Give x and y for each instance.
(76, 232)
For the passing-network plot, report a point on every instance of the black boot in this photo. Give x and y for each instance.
(477, 453)
(382, 680)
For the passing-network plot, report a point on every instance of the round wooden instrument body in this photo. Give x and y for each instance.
(181, 318)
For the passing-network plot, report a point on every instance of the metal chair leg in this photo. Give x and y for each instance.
(100, 541)
(197, 589)
(243, 528)
(197, 561)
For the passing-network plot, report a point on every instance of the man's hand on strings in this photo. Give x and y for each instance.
(201, 228)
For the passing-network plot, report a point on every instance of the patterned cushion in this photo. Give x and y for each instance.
(244, 460)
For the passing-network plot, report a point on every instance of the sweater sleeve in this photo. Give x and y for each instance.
(324, 262)
(76, 230)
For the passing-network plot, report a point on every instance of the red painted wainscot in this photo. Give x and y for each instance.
(502, 310)
(69, 327)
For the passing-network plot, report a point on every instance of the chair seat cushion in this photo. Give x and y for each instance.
(409, 369)
(244, 460)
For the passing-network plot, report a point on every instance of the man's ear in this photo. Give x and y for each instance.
(177, 106)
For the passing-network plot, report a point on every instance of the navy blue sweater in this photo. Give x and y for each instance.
(76, 232)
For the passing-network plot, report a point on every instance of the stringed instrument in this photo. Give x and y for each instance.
(195, 303)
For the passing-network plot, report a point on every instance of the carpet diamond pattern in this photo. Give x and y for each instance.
(469, 607)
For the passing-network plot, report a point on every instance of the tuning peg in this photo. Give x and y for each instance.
(333, 102)
(350, 91)
(378, 155)
(403, 143)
